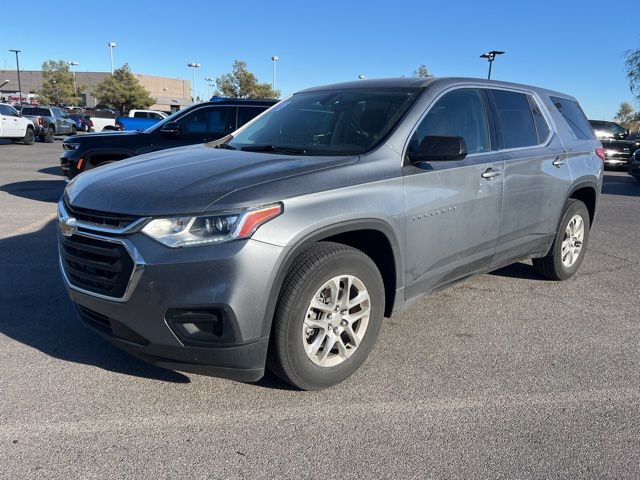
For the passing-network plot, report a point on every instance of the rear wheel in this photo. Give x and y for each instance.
(50, 135)
(29, 137)
(74, 130)
(569, 246)
(328, 316)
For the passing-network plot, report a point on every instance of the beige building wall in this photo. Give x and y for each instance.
(171, 93)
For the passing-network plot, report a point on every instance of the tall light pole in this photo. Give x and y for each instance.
(73, 64)
(209, 81)
(18, 70)
(194, 65)
(274, 59)
(491, 56)
(111, 45)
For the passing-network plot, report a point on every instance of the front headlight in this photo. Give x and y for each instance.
(70, 146)
(214, 228)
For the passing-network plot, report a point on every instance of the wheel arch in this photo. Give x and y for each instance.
(587, 193)
(386, 256)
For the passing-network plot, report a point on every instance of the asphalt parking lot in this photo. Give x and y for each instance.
(507, 375)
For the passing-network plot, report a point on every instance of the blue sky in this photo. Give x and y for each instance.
(572, 46)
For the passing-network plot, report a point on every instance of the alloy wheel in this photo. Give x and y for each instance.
(336, 321)
(572, 241)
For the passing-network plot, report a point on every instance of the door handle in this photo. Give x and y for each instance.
(490, 173)
(558, 163)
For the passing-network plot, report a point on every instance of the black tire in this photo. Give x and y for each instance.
(74, 130)
(50, 135)
(551, 266)
(85, 127)
(311, 270)
(29, 137)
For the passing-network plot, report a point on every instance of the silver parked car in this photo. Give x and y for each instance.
(286, 243)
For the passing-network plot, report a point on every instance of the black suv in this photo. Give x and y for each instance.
(618, 147)
(198, 123)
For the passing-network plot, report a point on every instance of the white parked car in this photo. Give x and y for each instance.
(15, 126)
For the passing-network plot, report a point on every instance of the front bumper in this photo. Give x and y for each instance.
(69, 163)
(235, 278)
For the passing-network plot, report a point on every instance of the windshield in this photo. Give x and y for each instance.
(330, 122)
(608, 129)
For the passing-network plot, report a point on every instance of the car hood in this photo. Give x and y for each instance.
(103, 137)
(186, 180)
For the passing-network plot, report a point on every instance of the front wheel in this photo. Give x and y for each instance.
(74, 130)
(569, 246)
(328, 316)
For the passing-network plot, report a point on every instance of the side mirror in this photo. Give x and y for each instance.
(171, 128)
(437, 148)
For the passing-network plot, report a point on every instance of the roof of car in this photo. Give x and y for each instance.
(244, 101)
(422, 82)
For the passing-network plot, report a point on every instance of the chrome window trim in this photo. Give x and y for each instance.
(138, 267)
(134, 226)
(480, 86)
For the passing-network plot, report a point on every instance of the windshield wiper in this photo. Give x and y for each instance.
(274, 148)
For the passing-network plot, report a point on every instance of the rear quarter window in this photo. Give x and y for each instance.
(575, 118)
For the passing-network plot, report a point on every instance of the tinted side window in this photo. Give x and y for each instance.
(575, 117)
(541, 124)
(57, 112)
(459, 113)
(515, 119)
(157, 116)
(219, 120)
(4, 110)
(140, 115)
(248, 113)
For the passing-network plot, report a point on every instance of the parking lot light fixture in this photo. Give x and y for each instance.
(362, 77)
(194, 65)
(209, 81)
(274, 59)
(111, 47)
(18, 70)
(4, 83)
(491, 56)
(73, 64)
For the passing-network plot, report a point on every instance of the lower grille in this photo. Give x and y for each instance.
(99, 266)
(94, 317)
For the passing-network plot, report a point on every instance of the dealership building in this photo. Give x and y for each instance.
(171, 94)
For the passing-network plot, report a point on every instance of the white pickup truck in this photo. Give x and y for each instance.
(14, 126)
(105, 120)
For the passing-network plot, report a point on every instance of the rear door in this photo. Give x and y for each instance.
(10, 124)
(537, 176)
(453, 207)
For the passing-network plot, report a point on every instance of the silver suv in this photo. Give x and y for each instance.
(286, 243)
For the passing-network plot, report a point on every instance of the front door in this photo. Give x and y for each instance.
(453, 207)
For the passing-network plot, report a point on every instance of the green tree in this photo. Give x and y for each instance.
(422, 71)
(241, 83)
(632, 64)
(627, 117)
(122, 91)
(57, 84)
